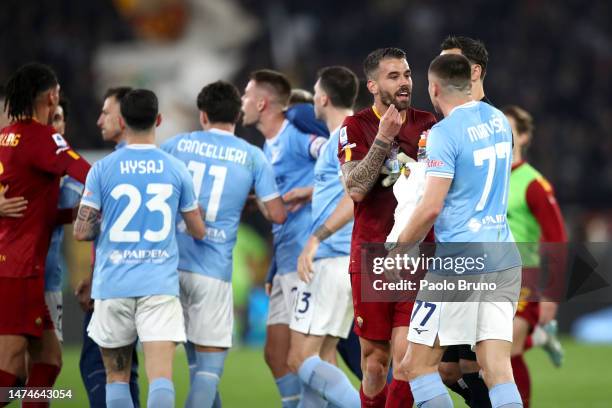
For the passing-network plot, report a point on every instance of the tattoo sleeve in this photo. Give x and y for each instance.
(87, 224)
(117, 360)
(360, 176)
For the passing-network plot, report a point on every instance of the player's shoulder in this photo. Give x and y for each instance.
(422, 116)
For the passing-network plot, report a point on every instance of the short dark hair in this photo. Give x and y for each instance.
(118, 92)
(221, 102)
(300, 96)
(274, 81)
(24, 86)
(474, 50)
(522, 118)
(340, 84)
(65, 107)
(453, 70)
(139, 109)
(372, 61)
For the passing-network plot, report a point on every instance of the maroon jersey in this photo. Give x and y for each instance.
(374, 215)
(33, 157)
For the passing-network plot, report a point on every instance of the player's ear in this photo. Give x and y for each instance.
(372, 87)
(158, 120)
(476, 72)
(262, 103)
(204, 119)
(121, 122)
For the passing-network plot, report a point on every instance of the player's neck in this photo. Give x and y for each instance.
(335, 117)
(517, 155)
(477, 91)
(146, 137)
(228, 127)
(271, 124)
(41, 114)
(448, 105)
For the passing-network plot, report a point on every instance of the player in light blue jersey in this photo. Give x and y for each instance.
(130, 205)
(55, 265)
(225, 168)
(466, 195)
(292, 154)
(323, 311)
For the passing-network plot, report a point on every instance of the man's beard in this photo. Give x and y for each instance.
(387, 98)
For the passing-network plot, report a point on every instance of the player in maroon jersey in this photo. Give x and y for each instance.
(33, 157)
(367, 139)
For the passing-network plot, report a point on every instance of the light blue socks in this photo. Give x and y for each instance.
(161, 393)
(429, 392)
(290, 388)
(205, 380)
(505, 395)
(118, 395)
(329, 381)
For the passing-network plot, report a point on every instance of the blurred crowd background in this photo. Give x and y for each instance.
(552, 58)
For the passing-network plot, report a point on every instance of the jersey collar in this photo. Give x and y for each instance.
(379, 116)
(465, 105)
(220, 131)
(282, 129)
(140, 146)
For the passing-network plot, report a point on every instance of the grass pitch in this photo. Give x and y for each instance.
(584, 381)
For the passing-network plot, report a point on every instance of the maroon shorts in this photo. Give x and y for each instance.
(376, 320)
(23, 311)
(530, 311)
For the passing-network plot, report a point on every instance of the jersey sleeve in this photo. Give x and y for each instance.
(92, 196)
(70, 193)
(188, 200)
(306, 146)
(53, 154)
(543, 205)
(352, 143)
(169, 145)
(263, 176)
(441, 154)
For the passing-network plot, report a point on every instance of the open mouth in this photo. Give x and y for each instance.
(403, 95)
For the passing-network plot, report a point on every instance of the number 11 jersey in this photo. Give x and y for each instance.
(139, 190)
(224, 169)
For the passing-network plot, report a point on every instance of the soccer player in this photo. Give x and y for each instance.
(225, 168)
(33, 158)
(90, 364)
(292, 154)
(534, 216)
(129, 206)
(455, 199)
(323, 312)
(55, 265)
(459, 368)
(367, 139)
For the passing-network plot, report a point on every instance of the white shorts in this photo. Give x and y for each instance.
(282, 298)
(118, 322)
(208, 307)
(324, 307)
(486, 316)
(55, 304)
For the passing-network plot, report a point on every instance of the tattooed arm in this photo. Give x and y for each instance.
(360, 176)
(87, 224)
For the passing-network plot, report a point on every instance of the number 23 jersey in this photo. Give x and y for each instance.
(139, 190)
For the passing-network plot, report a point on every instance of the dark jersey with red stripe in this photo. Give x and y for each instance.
(374, 215)
(33, 157)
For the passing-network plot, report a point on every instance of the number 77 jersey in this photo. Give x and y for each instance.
(473, 146)
(224, 169)
(139, 191)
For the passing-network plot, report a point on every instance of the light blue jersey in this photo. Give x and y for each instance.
(55, 265)
(139, 190)
(328, 191)
(292, 154)
(225, 168)
(473, 146)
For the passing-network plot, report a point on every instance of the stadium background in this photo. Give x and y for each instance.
(552, 58)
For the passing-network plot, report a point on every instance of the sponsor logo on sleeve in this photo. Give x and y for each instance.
(343, 136)
(59, 140)
(434, 163)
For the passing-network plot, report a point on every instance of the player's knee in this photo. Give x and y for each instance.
(497, 372)
(375, 367)
(450, 372)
